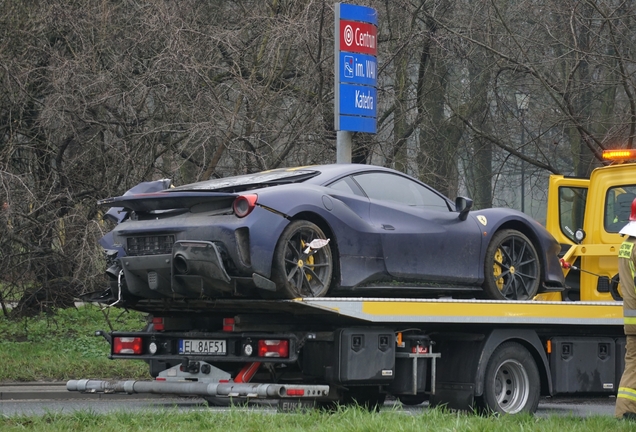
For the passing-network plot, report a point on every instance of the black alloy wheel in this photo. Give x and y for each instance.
(513, 270)
(297, 271)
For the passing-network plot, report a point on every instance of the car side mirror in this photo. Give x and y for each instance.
(463, 206)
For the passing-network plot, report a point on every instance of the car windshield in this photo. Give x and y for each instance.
(250, 181)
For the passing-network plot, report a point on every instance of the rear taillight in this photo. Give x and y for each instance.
(273, 348)
(157, 324)
(127, 345)
(244, 204)
(228, 324)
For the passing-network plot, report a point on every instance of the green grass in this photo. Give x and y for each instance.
(351, 419)
(63, 346)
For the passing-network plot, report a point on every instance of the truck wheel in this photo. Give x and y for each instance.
(511, 382)
(512, 267)
(296, 273)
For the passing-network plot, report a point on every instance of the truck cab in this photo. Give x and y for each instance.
(585, 216)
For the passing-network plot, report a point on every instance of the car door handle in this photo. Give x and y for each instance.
(388, 227)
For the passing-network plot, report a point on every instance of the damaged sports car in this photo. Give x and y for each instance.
(337, 230)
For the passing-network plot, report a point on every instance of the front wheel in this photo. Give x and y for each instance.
(512, 269)
(511, 381)
(297, 270)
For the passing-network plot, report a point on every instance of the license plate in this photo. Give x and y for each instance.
(202, 346)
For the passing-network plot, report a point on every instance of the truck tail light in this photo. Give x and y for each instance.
(157, 323)
(244, 204)
(273, 348)
(228, 324)
(127, 345)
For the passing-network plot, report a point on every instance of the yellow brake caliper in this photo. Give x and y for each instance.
(309, 261)
(496, 269)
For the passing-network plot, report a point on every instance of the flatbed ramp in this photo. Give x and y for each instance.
(404, 310)
(420, 311)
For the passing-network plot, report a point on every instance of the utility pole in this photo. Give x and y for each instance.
(522, 99)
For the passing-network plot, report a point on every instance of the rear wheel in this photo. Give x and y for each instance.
(512, 267)
(511, 381)
(297, 271)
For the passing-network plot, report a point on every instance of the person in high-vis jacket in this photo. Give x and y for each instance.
(626, 397)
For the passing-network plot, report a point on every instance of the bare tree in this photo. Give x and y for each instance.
(98, 96)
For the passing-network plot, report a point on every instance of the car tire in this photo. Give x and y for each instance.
(295, 273)
(511, 381)
(512, 267)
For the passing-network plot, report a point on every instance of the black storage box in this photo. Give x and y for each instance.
(365, 356)
(583, 365)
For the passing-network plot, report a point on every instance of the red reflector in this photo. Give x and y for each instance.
(157, 323)
(228, 324)
(246, 374)
(127, 345)
(273, 348)
(160, 379)
(295, 392)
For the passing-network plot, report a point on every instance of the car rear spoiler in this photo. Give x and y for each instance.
(146, 202)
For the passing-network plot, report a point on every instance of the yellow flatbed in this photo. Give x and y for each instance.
(384, 310)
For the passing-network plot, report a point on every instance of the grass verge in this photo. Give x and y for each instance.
(63, 346)
(349, 419)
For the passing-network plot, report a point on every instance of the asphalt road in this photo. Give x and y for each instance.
(41, 398)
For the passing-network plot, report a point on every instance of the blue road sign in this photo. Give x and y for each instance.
(358, 69)
(358, 100)
(355, 94)
(358, 124)
(351, 12)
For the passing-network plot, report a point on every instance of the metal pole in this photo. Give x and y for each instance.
(523, 166)
(343, 146)
(522, 100)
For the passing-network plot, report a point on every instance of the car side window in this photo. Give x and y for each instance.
(618, 206)
(395, 188)
(572, 202)
(346, 185)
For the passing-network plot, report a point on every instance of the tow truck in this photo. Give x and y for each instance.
(465, 354)
(585, 216)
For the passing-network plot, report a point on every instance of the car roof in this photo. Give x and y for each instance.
(312, 174)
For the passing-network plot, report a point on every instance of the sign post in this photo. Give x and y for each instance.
(355, 71)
